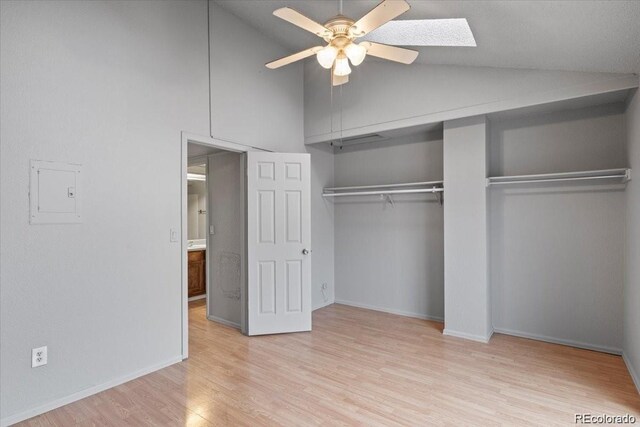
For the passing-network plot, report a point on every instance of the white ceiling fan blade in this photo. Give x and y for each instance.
(425, 32)
(338, 80)
(392, 53)
(298, 19)
(381, 14)
(293, 58)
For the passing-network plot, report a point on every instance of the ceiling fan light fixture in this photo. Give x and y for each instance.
(326, 56)
(356, 53)
(342, 66)
(382, 37)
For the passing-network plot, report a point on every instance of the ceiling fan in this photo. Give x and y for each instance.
(340, 33)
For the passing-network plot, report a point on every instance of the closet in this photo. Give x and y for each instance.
(557, 225)
(388, 221)
(534, 205)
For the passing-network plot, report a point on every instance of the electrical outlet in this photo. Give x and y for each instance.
(323, 289)
(38, 356)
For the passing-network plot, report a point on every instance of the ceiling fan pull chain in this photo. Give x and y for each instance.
(340, 115)
(331, 100)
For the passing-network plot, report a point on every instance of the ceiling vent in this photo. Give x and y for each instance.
(361, 139)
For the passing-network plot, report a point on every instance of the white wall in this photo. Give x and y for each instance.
(109, 85)
(631, 343)
(226, 245)
(390, 258)
(263, 108)
(557, 251)
(251, 104)
(466, 278)
(410, 95)
(322, 225)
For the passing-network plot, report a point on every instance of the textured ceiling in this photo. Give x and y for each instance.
(597, 36)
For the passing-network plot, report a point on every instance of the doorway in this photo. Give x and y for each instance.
(197, 201)
(257, 237)
(213, 230)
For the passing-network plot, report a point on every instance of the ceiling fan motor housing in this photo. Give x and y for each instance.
(340, 27)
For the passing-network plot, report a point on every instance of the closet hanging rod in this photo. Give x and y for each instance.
(368, 187)
(383, 192)
(623, 174)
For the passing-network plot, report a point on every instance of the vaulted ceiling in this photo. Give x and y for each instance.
(595, 36)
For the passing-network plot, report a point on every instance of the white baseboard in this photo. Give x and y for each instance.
(552, 340)
(223, 321)
(196, 298)
(634, 374)
(479, 338)
(21, 416)
(390, 310)
(324, 304)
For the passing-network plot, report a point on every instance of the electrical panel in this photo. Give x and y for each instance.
(55, 193)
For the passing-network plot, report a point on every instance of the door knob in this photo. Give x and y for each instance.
(305, 252)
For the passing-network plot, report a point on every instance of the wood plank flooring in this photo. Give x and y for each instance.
(361, 367)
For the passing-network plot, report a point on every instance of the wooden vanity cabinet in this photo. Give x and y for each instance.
(197, 273)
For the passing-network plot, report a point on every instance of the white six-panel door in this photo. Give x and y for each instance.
(278, 243)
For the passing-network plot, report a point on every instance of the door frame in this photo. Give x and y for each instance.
(208, 141)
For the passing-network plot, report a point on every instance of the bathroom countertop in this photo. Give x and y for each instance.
(197, 245)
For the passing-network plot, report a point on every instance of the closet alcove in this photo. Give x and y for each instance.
(388, 213)
(556, 215)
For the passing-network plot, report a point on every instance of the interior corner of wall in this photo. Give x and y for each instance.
(635, 374)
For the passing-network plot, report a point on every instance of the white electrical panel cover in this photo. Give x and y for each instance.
(54, 193)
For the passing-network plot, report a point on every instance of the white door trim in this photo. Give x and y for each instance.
(186, 138)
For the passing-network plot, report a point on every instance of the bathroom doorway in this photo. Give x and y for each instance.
(197, 199)
(258, 213)
(214, 247)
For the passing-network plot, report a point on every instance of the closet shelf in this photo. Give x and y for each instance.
(621, 175)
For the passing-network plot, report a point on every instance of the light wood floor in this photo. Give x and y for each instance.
(361, 367)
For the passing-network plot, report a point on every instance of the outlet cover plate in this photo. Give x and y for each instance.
(38, 357)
